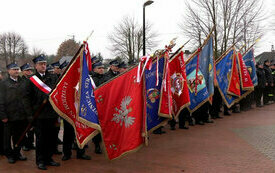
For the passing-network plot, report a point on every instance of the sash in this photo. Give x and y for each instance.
(40, 85)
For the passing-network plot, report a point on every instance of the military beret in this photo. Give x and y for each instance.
(98, 65)
(12, 66)
(26, 66)
(40, 58)
(114, 62)
(55, 64)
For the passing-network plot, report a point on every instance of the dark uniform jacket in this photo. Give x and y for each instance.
(268, 75)
(261, 77)
(109, 75)
(98, 78)
(34, 97)
(11, 105)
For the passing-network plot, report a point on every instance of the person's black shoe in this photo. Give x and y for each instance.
(172, 128)
(209, 121)
(219, 117)
(21, 158)
(41, 166)
(84, 157)
(53, 163)
(183, 127)
(64, 158)
(191, 124)
(57, 152)
(11, 160)
(98, 149)
(200, 123)
(226, 113)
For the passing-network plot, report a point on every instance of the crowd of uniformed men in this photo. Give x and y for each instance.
(20, 99)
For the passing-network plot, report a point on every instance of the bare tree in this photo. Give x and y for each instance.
(231, 20)
(12, 46)
(127, 39)
(36, 52)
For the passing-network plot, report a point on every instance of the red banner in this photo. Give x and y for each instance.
(246, 81)
(234, 80)
(179, 87)
(120, 111)
(65, 100)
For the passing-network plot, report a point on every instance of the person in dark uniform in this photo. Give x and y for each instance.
(12, 113)
(259, 89)
(63, 66)
(98, 73)
(113, 71)
(1, 123)
(122, 67)
(98, 77)
(201, 115)
(272, 66)
(45, 122)
(269, 82)
(68, 139)
(56, 69)
(27, 72)
(216, 104)
(50, 69)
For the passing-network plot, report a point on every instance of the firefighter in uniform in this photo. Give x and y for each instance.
(45, 122)
(269, 82)
(113, 71)
(12, 113)
(1, 123)
(27, 71)
(259, 89)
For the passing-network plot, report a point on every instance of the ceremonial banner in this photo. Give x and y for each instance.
(198, 92)
(65, 99)
(166, 101)
(227, 75)
(246, 82)
(250, 63)
(153, 95)
(206, 61)
(179, 87)
(120, 107)
(88, 112)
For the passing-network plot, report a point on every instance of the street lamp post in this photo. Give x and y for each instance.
(149, 2)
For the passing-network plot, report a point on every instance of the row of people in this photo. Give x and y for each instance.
(19, 101)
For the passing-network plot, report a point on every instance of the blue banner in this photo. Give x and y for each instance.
(249, 61)
(153, 94)
(223, 72)
(87, 109)
(202, 95)
(206, 62)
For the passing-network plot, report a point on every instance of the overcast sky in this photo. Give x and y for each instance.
(45, 24)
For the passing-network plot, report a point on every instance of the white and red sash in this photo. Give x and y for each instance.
(40, 85)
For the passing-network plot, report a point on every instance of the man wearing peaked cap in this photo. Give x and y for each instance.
(122, 67)
(63, 66)
(113, 71)
(27, 71)
(12, 113)
(45, 130)
(50, 69)
(56, 69)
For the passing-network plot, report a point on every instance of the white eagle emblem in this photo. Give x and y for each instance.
(177, 83)
(122, 113)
